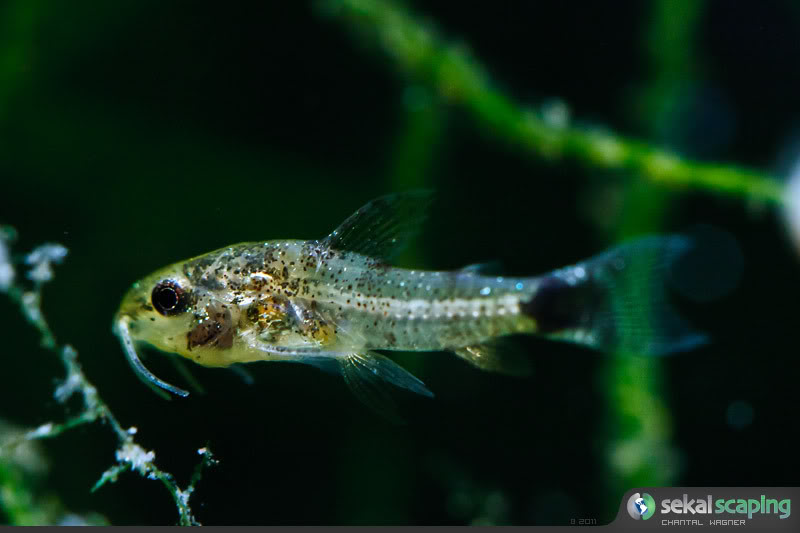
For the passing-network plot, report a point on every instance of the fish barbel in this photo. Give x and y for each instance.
(332, 302)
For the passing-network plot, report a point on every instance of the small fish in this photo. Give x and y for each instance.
(333, 302)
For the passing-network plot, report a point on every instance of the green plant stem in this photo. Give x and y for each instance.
(639, 448)
(449, 69)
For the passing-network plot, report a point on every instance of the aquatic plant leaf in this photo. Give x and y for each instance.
(383, 227)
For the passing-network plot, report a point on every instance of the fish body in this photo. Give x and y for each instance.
(333, 302)
(285, 295)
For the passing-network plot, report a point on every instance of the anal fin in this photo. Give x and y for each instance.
(496, 357)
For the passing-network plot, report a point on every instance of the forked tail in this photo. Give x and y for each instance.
(618, 301)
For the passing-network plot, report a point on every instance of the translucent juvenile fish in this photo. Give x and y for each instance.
(332, 302)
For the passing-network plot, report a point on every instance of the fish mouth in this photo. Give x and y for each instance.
(122, 330)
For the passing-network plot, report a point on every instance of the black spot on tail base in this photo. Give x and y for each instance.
(617, 301)
(558, 305)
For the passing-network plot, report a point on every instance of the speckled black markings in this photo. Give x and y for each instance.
(216, 330)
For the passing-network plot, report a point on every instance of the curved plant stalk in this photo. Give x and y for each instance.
(450, 70)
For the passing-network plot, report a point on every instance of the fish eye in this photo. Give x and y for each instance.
(168, 298)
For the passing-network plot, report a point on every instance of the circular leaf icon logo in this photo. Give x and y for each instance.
(641, 506)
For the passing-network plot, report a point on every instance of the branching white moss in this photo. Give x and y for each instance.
(130, 456)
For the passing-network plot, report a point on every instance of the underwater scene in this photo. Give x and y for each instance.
(530, 256)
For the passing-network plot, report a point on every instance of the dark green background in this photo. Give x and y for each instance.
(140, 133)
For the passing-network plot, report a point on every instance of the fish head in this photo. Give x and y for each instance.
(158, 310)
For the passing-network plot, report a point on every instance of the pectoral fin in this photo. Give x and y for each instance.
(186, 374)
(243, 373)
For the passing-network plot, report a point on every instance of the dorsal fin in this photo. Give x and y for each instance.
(383, 227)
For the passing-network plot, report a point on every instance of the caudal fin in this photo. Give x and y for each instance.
(618, 301)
